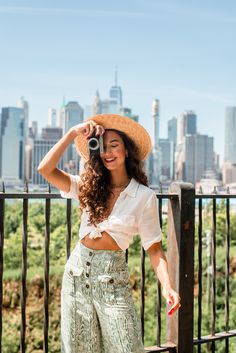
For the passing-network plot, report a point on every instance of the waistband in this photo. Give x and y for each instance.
(99, 260)
(80, 246)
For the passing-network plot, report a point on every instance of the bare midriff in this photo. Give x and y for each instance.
(106, 242)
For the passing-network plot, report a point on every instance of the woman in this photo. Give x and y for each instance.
(97, 309)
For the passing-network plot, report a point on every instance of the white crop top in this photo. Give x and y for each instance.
(135, 212)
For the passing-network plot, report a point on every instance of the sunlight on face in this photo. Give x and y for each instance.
(114, 150)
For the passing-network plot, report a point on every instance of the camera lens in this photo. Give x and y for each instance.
(93, 143)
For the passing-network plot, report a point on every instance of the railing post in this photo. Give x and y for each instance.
(180, 256)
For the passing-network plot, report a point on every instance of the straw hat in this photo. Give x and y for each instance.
(122, 123)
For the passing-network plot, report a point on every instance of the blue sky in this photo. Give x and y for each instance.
(181, 52)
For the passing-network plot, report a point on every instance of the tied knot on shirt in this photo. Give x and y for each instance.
(95, 233)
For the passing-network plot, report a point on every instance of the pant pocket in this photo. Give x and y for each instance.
(112, 286)
(73, 277)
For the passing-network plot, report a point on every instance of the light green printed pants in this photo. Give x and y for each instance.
(97, 309)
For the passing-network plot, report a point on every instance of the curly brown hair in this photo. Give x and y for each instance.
(95, 189)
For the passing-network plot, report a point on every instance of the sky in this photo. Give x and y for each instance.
(180, 52)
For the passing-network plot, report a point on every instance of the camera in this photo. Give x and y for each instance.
(95, 145)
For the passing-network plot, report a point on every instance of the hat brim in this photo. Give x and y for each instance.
(131, 128)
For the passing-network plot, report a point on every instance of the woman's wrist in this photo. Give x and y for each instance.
(166, 285)
(72, 133)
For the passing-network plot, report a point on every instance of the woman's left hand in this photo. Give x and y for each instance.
(172, 298)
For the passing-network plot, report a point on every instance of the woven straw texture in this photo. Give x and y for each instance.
(122, 123)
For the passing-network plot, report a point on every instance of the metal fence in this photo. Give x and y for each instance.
(183, 205)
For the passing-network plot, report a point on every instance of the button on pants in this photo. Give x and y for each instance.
(97, 309)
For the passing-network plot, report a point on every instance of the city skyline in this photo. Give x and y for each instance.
(179, 53)
(149, 126)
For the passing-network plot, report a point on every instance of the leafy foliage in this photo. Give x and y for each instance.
(57, 251)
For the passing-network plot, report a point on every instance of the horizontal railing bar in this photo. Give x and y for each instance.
(29, 196)
(58, 196)
(215, 196)
(33, 195)
(164, 348)
(216, 337)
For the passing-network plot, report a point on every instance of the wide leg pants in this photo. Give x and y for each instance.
(97, 308)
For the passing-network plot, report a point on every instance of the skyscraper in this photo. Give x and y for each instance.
(172, 137)
(51, 133)
(198, 156)
(97, 104)
(128, 112)
(12, 145)
(154, 160)
(71, 114)
(172, 130)
(167, 158)
(33, 130)
(40, 148)
(156, 121)
(187, 124)
(22, 103)
(116, 92)
(230, 135)
(52, 117)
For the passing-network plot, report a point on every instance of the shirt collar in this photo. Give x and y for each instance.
(131, 188)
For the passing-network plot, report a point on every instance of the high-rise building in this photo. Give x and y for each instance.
(105, 106)
(230, 135)
(97, 104)
(198, 157)
(40, 148)
(71, 114)
(128, 112)
(187, 124)
(22, 103)
(156, 121)
(110, 106)
(167, 158)
(154, 160)
(33, 130)
(52, 117)
(172, 130)
(51, 133)
(28, 161)
(172, 137)
(229, 173)
(116, 92)
(12, 145)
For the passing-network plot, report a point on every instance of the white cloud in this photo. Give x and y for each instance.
(29, 10)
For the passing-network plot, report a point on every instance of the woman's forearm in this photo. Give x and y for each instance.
(50, 160)
(159, 263)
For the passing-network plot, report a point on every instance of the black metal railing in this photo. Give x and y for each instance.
(181, 239)
(214, 336)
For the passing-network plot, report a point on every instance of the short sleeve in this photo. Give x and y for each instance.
(149, 223)
(73, 192)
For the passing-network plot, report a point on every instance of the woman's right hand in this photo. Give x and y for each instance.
(87, 128)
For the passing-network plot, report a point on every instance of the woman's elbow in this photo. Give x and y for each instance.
(40, 169)
(155, 247)
(43, 170)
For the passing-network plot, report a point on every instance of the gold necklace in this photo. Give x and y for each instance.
(121, 186)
